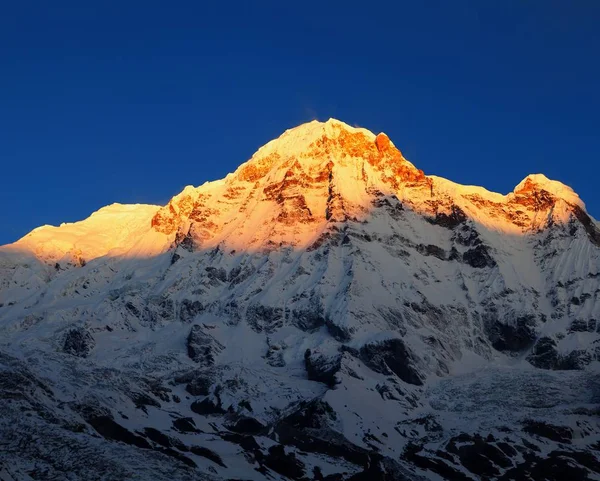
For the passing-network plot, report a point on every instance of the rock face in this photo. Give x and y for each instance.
(325, 312)
(78, 342)
(392, 357)
(202, 347)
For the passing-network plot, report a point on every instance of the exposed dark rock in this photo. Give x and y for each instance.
(280, 462)
(307, 429)
(217, 273)
(589, 225)
(307, 319)
(208, 454)
(467, 236)
(339, 333)
(247, 425)
(381, 469)
(513, 337)
(132, 308)
(560, 434)
(391, 356)
(545, 356)
(580, 325)
(78, 342)
(185, 241)
(185, 425)
(432, 250)
(556, 466)
(275, 356)
(264, 318)
(189, 310)
(479, 257)
(313, 414)
(433, 464)
(478, 455)
(158, 437)
(240, 274)
(202, 347)
(322, 368)
(200, 385)
(247, 443)
(206, 407)
(109, 429)
(18, 383)
(158, 310)
(449, 221)
(142, 400)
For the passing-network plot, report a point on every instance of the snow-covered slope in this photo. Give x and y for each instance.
(325, 310)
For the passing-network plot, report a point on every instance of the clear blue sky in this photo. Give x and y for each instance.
(127, 101)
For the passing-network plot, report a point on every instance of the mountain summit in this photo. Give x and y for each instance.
(291, 190)
(327, 311)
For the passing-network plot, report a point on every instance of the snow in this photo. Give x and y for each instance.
(113, 230)
(379, 268)
(556, 188)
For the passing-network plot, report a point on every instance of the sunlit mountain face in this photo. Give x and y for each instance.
(326, 312)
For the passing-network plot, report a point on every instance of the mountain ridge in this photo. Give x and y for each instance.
(302, 138)
(326, 312)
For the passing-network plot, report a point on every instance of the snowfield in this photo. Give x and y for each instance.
(326, 312)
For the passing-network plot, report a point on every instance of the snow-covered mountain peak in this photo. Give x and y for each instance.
(293, 190)
(327, 311)
(112, 230)
(534, 184)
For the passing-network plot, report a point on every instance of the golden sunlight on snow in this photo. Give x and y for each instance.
(292, 191)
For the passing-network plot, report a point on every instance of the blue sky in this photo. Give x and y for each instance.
(127, 101)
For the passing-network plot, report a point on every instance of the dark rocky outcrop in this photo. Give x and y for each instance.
(392, 356)
(307, 319)
(556, 466)
(580, 325)
(78, 342)
(514, 336)
(274, 356)
(479, 257)
(142, 400)
(588, 224)
(185, 425)
(247, 443)
(322, 368)
(108, 428)
(560, 434)
(246, 425)
(449, 221)
(264, 318)
(202, 347)
(479, 455)
(490, 458)
(432, 250)
(433, 463)
(207, 407)
(546, 356)
(208, 454)
(216, 274)
(280, 462)
(189, 310)
(164, 440)
(201, 383)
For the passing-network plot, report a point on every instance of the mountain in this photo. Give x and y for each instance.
(325, 312)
